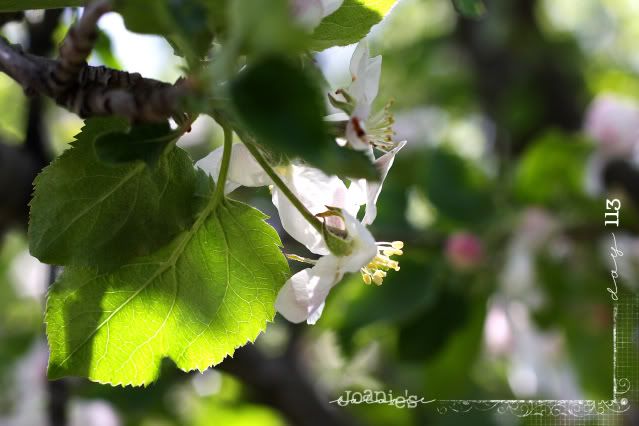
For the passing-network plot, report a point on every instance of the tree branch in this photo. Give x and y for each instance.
(17, 171)
(624, 175)
(281, 383)
(10, 16)
(91, 91)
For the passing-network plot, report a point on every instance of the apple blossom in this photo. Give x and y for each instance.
(364, 131)
(311, 186)
(303, 296)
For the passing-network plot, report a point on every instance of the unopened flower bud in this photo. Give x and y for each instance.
(464, 251)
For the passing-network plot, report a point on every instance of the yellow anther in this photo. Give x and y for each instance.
(375, 271)
(367, 278)
(392, 252)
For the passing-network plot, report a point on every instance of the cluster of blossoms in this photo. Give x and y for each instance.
(331, 199)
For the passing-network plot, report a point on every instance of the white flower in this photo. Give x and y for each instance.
(363, 130)
(368, 191)
(303, 296)
(613, 122)
(309, 13)
(243, 169)
(317, 191)
(312, 187)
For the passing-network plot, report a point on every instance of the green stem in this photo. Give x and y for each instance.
(224, 167)
(277, 181)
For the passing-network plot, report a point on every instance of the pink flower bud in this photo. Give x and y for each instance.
(464, 250)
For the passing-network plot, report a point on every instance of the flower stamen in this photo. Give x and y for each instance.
(300, 259)
(376, 270)
(380, 129)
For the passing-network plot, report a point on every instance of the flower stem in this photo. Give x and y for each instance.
(224, 167)
(277, 181)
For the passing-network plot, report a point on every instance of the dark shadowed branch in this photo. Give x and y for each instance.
(87, 90)
(281, 383)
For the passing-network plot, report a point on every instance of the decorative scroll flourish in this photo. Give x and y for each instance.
(525, 408)
(622, 386)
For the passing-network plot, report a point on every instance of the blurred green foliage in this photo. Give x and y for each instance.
(527, 69)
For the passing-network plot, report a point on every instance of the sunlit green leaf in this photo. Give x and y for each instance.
(208, 292)
(552, 169)
(350, 23)
(86, 212)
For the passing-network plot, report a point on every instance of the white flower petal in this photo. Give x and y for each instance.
(356, 196)
(243, 169)
(296, 226)
(287, 305)
(211, 165)
(373, 189)
(316, 191)
(338, 116)
(364, 246)
(366, 72)
(354, 135)
(303, 295)
(309, 13)
(359, 59)
(330, 6)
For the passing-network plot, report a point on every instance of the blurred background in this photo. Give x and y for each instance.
(520, 125)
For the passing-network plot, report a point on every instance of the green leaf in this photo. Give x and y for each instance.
(458, 190)
(104, 51)
(470, 8)
(210, 291)
(283, 108)
(86, 212)
(350, 23)
(185, 24)
(435, 325)
(144, 142)
(15, 5)
(551, 172)
(260, 27)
